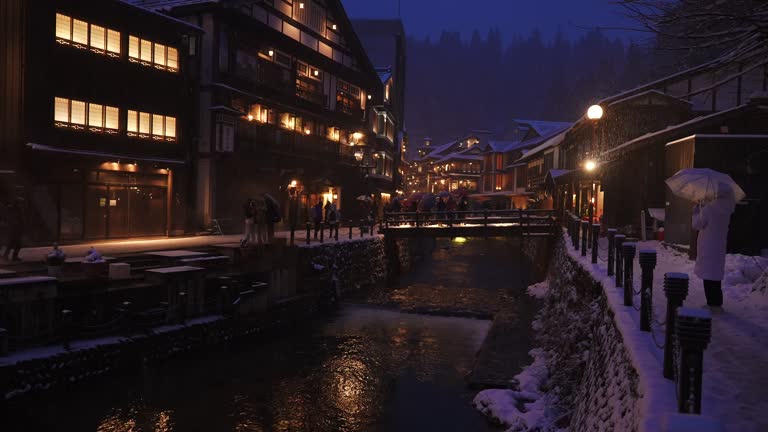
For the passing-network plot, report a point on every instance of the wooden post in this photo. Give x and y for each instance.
(628, 253)
(595, 232)
(676, 290)
(584, 236)
(647, 264)
(619, 240)
(611, 246)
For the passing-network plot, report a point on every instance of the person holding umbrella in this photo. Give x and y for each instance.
(711, 221)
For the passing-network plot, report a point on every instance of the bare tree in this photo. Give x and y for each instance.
(735, 29)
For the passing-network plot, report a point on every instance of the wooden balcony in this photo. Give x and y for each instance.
(261, 138)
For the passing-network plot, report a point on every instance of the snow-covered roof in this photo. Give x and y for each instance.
(675, 128)
(384, 74)
(153, 6)
(549, 142)
(720, 137)
(648, 93)
(502, 146)
(457, 156)
(544, 127)
(555, 173)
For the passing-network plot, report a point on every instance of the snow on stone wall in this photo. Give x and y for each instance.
(359, 262)
(591, 373)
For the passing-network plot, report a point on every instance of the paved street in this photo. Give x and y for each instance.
(131, 246)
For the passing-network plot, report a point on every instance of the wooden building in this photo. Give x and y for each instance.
(286, 91)
(97, 116)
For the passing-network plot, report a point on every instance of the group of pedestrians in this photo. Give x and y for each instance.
(328, 215)
(261, 215)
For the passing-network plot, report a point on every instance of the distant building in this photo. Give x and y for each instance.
(96, 118)
(385, 42)
(286, 98)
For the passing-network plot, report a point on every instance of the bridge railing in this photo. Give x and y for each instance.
(483, 218)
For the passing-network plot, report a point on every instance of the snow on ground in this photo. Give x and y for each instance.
(522, 409)
(538, 290)
(735, 363)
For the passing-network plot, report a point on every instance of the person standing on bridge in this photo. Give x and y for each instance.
(317, 217)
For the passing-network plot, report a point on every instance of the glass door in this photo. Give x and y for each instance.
(96, 212)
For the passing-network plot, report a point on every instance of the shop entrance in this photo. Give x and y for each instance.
(137, 208)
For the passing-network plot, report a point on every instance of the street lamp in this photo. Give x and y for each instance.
(594, 113)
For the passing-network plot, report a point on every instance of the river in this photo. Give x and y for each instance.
(369, 367)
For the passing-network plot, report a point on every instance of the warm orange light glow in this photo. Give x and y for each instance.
(301, 5)
(271, 53)
(294, 183)
(307, 131)
(250, 117)
(357, 136)
(590, 165)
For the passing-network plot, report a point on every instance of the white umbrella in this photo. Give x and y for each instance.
(700, 184)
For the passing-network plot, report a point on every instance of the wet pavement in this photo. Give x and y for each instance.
(368, 368)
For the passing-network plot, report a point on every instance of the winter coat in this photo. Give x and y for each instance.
(317, 213)
(259, 212)
(712, 223)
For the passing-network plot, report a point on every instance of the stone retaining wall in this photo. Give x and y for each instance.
(591, 370)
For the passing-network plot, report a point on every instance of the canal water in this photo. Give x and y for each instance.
(370, 367)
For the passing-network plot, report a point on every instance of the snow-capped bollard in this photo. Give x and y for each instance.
(619, 241)
(3, 342)
(595, 233)
(350, 230)
(647, 264)
(181, 307)
(693, 331)
(309, 231)
(628, 254)
(576, 232)
(676, 290)
(223, 299)
(611, 246)
(66, 328)
(584, 235)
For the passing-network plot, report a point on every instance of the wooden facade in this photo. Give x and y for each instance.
(97, 133)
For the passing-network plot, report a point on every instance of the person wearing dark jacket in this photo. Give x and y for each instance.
(317, 217)
(15, 220)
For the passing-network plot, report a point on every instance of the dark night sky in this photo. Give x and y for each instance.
(512, 17)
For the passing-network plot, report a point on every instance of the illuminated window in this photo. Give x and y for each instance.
(96, 115)
(144, 122)
(146, 51)
(148, 125)
(63, 27)
(112, 118)
(133, 123)
(113, 41)
(98, 37)
(79, 32)
(173, 59)
(77, 114)
(160, 54)
(154, 54)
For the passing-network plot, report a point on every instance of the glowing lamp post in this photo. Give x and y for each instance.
(594, 113)
(294, 189)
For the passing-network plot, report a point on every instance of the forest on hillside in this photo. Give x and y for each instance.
(456, 85)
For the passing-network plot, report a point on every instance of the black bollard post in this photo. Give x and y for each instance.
(693, 331)
(647, 264)
(595, 234)
(322, 234)
(293, 233)
(223, 299)
(576, 230)
(3, 342)
(66, 327)
(362, 224)
(584, 236)
(611, 246)
(628, 254)
(336, 224)
(350, 230)
(181, 307)
(676, 290)
(309, 231)
(619, 242)
(128, 317)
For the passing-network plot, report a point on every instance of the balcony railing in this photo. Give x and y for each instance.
(258, 138)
